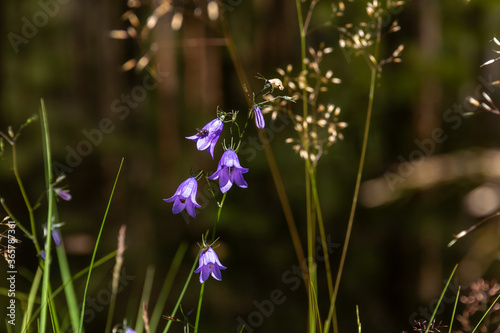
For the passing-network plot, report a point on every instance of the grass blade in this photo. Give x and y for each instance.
(95, 248)
(454, 309)
(146, 293)
(486, 313)
(167, 285)
(182, 293)
(69, 289)
(31, 300)
(440, 299)
(50, 216)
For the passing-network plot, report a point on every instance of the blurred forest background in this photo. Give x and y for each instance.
(398, 257)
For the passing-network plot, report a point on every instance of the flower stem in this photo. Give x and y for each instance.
(273, 167)
(200, 299)
(46, 290)
(373, 79)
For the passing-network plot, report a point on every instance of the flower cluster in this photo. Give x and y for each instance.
(229, 170)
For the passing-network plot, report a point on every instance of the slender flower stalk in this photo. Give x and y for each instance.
(374, 71)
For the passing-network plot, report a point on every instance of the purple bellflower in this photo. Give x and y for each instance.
(229, 171)
(209, 264)
(208, 136)
(63, 194)
(185, 197)
(259, 118)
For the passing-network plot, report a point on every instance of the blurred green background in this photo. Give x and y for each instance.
(398, 256)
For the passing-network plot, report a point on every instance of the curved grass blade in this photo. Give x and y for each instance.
(96, 246)
(440, 299)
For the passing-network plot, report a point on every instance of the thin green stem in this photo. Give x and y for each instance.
(431, 320)
(485, 314)
(31, 300)
(146, 294)
(373, 79)
(200, 300)
(324, 243)
(454, 309)
(36, 283)
(182, 294)
(96, 246)
(273, 167)
(167, 285)
(13, 218)
(25, 198)
(50, 216)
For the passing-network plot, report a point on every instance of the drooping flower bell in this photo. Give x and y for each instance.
(207, 137)
(259, 118)
(229, 171)
(63, 194)
(209, 264)
(185, 197)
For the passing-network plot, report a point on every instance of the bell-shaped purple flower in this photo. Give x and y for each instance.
(63, 194)
(209, 264)
(185, 197)
(229, 171)
(208, 135)
(259, 118)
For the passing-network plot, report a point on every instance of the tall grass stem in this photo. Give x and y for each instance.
(96, 246)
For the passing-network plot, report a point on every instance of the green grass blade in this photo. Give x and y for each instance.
(167, 285)
(69, 289)
(486, 313)
(182, 293)
(95, 248)
(198, 311)
(51, 204)
(440, 299)
(31, 300)
(454, 309)
(146, 293)
(76, 276)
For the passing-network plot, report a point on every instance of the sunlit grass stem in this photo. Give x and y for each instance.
(374, 71)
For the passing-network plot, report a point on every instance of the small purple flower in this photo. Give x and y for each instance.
(209, 264)
(56, 236)
(63, 194)
(259, 118)
(208, 135)
(229, 171)
(185, 197)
